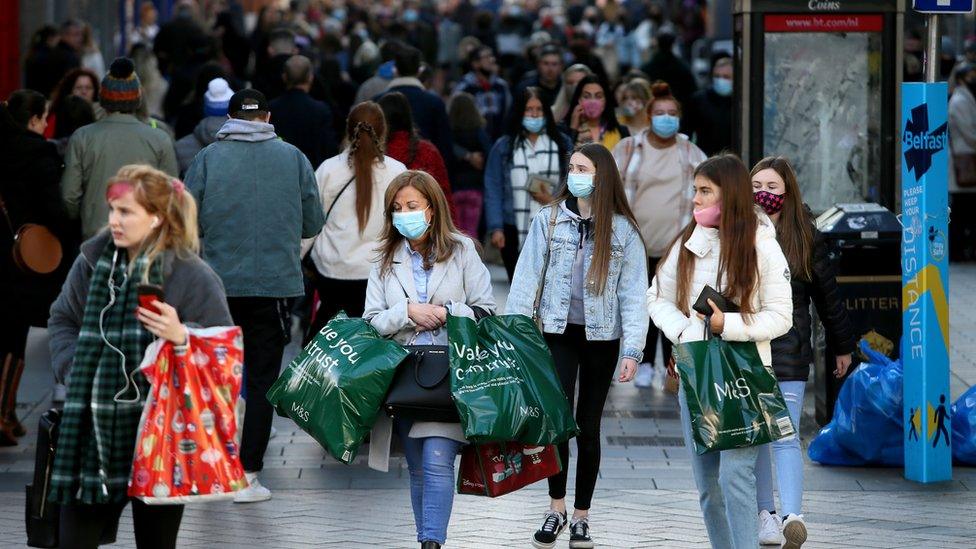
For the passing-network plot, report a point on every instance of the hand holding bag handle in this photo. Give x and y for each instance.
(545, 268)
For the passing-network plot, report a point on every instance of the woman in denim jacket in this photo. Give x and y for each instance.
(595, 249)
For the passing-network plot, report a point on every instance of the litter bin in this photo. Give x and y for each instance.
(864, 242)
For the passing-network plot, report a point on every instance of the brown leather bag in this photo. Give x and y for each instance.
(965, 168)
(36, 250)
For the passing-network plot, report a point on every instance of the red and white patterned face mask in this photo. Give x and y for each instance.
(769, 202)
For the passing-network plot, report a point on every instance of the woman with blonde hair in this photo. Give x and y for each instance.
(352, 186)
(99, 334)
(426, 269)
(632, 112)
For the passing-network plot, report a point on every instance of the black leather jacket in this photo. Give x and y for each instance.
(792, 352)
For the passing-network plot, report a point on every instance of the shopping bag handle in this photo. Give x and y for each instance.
(708, 327)
(418, 361)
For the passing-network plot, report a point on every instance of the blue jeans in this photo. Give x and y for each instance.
(431, 464)
(726, 490)
(788, 457)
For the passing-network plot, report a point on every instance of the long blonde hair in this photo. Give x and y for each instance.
(442, 237)
(166, 197)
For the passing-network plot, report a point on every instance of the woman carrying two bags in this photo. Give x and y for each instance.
(427, 269)
(729, 245)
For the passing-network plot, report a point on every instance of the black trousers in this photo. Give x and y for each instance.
(962, 227)
(594, 362)
(262, 321)
(87, 526)
(510, 253)
(337, 295)
(650, 344)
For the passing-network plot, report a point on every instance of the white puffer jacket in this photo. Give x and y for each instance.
(773, 303)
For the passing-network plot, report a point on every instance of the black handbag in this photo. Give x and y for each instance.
(421, 389)
(43, 516)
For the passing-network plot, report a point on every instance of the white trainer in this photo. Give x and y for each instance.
(795, 532)
(644, 375)
(657, 380)
(254, 491)
(770, 529)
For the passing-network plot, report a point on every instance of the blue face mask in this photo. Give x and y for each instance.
(339, 14)
(665, 125)
(410, 16)
(533, 124)
(412, 225)
(580, 184)
(722, 86)
(386, 71)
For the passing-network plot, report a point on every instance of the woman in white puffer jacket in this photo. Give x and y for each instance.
(728, 235)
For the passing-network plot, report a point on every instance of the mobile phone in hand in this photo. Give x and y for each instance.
(148, 295)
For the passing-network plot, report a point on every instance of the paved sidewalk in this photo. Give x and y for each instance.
(645, 496)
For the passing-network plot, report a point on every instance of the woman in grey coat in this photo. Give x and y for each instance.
(427, 269)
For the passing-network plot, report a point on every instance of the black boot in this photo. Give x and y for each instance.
(430, 545)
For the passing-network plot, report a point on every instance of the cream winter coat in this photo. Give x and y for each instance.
(772, 303)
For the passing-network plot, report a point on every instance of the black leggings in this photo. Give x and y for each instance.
(595, 362)
(336, 295)
(510, 253)
(87, 526)
(650, 344)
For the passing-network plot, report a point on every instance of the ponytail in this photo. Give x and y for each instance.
(366, 132)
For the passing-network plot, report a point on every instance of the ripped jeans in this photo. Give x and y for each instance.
(431, 464)
(789, 460)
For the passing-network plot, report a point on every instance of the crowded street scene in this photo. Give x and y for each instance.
(488, 273)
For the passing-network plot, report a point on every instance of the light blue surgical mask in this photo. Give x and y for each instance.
(412, 225)
(533, 124)
(387, 69)
(665, 125)
(339, 14)
(410, 15)
(580, 184)
(722, 86)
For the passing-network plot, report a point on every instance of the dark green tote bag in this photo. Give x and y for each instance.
(335, 387)
(504, 382)
(734, 400)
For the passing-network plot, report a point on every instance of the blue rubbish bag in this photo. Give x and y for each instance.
(867, 427)
(964, 428)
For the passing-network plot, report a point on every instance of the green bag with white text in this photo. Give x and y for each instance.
(335, 387)
(504, 382)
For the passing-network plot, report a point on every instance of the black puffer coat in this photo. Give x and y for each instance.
(792, 352)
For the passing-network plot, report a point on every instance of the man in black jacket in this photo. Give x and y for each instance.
(301, 120)
(668, 67)
(708, 116)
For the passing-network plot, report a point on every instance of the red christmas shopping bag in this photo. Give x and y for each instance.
(495, 469)
(186, 449)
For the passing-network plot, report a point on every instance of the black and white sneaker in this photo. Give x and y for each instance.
(579, 534)
(552, 525)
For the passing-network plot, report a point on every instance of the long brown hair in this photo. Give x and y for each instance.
(608, 199)
(794, 231)
(366, 133)
(442, 237)
(737, 233)
(166, 197)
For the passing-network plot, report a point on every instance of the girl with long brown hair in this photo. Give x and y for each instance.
(776, 191)
(352, 186)
(426, 270)
(581, 275)
(99, 334)
(729, 245)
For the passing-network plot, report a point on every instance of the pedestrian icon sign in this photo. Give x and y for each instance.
(943, 6)
(938, 418)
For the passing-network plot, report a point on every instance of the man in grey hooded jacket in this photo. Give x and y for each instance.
(257, 198)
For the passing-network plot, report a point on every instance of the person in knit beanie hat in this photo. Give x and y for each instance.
(121, 90)
(217, 98)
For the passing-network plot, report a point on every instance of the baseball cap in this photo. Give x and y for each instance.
(247, 101)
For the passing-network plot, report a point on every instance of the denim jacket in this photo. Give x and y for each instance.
(618, 313)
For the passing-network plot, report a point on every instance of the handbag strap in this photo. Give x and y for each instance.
(545, 264)
(342, 190)
(418, 361)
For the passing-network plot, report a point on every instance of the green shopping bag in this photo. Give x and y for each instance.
(734, 400)
(335, 387)
(504, 382)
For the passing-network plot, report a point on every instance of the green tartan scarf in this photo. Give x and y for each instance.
(93, 460)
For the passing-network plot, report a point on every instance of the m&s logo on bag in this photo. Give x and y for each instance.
(738, 389)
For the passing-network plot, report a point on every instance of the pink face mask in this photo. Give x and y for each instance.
(592, 108)
(710, 216)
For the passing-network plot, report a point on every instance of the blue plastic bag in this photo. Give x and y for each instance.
(964, 428)
(867, 427)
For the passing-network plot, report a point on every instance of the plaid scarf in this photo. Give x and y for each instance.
(98, 435)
